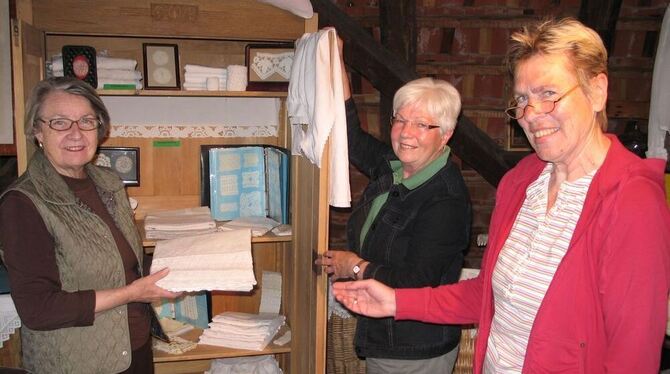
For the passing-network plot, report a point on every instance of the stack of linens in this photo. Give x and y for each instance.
(196, 76)
(242, 330)
(172, 224)
(219, 261)
(110, 71)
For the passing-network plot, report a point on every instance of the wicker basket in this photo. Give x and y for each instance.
(340, 354)
(466, 352)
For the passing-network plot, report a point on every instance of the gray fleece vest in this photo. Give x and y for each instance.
(87, 258)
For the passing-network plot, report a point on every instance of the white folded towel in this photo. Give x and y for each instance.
(101, 62)
(190, 68)
(237, 78)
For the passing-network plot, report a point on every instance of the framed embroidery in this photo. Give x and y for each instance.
(269, 66)
(125, 161)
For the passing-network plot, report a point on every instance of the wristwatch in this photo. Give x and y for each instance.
(357, 268)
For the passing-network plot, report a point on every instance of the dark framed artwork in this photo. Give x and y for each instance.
(79, 61)
(516, 138)
(269, 66)
(125, 161)
(161, 66)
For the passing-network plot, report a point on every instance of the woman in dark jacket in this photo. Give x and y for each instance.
(411, 226)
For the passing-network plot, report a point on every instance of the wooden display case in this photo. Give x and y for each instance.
(213, 33)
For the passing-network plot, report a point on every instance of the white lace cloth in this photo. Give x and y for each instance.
(265, 364)
(218, 261)
(9, 318)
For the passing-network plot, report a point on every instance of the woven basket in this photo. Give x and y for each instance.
(340, 354)
(466, 352)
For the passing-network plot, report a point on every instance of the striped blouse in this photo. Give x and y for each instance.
(526, 265)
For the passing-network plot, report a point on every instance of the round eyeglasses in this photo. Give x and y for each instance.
(64, 124)
(421, 126)
(542, 107)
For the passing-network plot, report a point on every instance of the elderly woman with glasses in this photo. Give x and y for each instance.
(411, 225)
(68, 239)
(576, 275)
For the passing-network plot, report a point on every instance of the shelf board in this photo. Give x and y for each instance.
(192, 93)
(209, 352)
(148, 244)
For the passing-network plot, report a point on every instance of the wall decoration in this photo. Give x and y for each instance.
(125, 161)
(161, 66)
(269, 66)
(79, 61)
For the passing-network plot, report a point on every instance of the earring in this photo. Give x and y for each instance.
(39, 144)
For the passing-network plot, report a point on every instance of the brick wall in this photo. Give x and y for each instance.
(464, 42)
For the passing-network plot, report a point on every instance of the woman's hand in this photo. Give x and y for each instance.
(367, 297)
(142, 290)
(338, 264)
(145, 290)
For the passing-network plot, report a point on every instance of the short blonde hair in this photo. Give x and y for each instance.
(581, 44)
(439, 98)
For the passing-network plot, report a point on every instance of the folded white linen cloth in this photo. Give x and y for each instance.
(315, 98)
(237, 78)
(189, 86)
(101, 62)
(191, 68)
(110, 74)
(218, 261)
(242, 330)
(259, 226)
(198, 218)
(197, 77)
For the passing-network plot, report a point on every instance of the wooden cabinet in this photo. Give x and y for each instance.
(214, 33)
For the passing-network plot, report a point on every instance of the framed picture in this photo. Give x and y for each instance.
(516, 138)
(161, 66)
(269, 66)
(125, 161)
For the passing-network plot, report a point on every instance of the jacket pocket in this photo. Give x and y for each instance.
(554, 355)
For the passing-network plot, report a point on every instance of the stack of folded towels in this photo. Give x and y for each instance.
(172, 224)
(195, 78)
(242, 330)
(109, 71)
(219, 261)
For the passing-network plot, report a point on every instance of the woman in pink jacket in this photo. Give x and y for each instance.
(576, 275)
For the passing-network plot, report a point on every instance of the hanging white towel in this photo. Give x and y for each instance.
(316, 109)
(659, 110)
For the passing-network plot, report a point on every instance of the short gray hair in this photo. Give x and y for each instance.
(439, 98)
(68, 85)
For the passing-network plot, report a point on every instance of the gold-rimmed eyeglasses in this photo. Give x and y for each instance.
(542, 107)
(419, 125)
(86, 123)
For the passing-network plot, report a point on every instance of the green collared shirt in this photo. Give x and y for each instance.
(410, 183)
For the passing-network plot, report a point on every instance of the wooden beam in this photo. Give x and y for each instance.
(397, 27)
(387, 73)
(601, 15)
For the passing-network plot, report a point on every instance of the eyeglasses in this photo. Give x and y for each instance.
(542, 107)
(421, 126)
(64, 124)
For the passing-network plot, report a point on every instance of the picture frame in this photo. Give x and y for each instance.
(161, 66)
(124, 161)
(268, 66)
(516, 138)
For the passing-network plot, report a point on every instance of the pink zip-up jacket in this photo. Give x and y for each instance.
(605, 310)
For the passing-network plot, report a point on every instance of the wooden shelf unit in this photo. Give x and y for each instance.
(213, 33)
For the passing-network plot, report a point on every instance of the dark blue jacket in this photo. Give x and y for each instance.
(418, 239)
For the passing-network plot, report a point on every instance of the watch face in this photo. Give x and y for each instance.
(162, 75)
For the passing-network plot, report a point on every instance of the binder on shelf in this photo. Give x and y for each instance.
(245, 181)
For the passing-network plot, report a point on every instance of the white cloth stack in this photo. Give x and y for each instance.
(172, 224)
(218, 261)
(195, 77)
(264, 364)
(242, 330)
(109, 70)
(237, 78)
